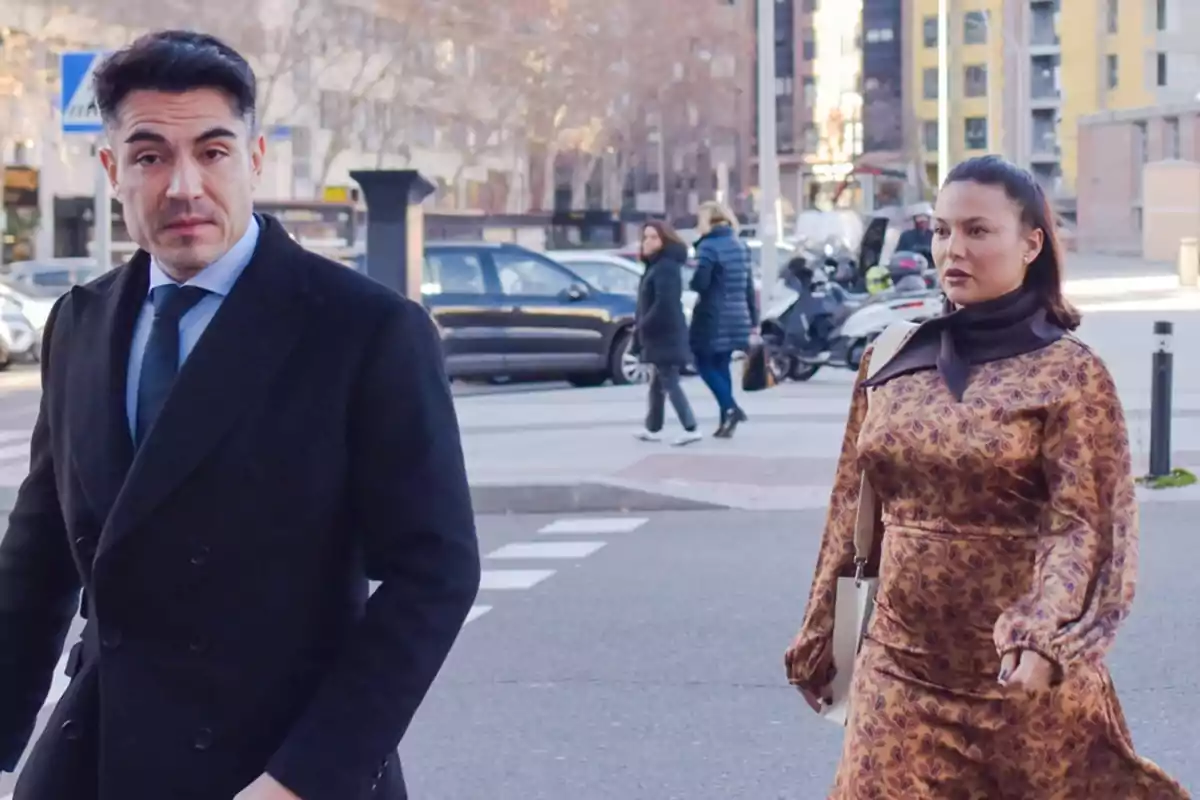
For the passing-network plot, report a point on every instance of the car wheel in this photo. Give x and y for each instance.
(624, 367)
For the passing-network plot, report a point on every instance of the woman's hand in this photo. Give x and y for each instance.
(1025, 669)
(817, 697)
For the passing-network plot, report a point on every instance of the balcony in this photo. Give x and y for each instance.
(1045, 84)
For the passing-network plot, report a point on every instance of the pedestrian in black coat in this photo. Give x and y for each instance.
(725, 319)
(662, 330)
(235, 435)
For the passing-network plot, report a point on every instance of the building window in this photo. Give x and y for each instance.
(875, 35)
(784, 87)
(810, 47)
(1162, 69)
(810, 91)
(975, 27)
(976, 133)
(1114, 15)
(1171, 145)
(930, 82)
(975, 83)
(1114, 70)
(1141, 153)
(930, 26)
(1161, 14)
(929, 135)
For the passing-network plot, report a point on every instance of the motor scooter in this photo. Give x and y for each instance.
(817, 323)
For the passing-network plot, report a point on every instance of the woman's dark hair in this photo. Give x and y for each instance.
(1045, 273)
(664, 231)
(175, 61)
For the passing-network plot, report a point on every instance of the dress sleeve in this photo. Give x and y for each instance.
(836, 555)
(1086, 565)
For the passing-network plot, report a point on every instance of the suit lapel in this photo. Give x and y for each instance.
(231, 366)
(104, 317)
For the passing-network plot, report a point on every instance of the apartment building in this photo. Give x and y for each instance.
(795, 95)
(977, 46)
(1024, 73)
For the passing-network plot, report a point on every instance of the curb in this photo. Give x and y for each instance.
(591, 497)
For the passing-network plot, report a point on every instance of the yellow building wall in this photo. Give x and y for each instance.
(990, 55)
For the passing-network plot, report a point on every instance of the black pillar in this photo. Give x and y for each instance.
(395, 226)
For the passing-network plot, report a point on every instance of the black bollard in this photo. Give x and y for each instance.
(395, 226)
(1160, 401)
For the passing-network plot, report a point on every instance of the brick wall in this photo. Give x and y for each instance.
(1110, 163)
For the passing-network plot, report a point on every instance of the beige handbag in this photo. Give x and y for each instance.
(855, 597)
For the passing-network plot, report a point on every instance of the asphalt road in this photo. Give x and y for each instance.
(651, 669)
(640, 658)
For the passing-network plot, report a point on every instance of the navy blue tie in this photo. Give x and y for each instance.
(160, 362)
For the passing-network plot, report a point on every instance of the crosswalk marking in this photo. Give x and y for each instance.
(594, 525)
(504, 579)
(550, 550)
(476, 612)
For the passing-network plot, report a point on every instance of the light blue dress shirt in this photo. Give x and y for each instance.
(218, 278)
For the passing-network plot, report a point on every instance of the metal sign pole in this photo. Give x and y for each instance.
(102, 215)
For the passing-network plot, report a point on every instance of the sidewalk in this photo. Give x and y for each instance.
(574, 450)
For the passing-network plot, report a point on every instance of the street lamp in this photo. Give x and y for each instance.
(768, 159)
(943, 104)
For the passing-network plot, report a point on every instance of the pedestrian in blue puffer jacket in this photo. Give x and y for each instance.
(725, 317)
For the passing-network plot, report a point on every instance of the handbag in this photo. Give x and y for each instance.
(757, 374)
(855, 597)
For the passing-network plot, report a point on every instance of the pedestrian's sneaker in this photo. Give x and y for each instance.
(688, 437)
(647, 435)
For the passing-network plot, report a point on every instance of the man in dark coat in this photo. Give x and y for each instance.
(223, 515)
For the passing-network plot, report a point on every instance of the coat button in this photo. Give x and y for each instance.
(198, 645)
(203, 740)
(200, 556)
(70, 730)
(111, 640)
(81, 542)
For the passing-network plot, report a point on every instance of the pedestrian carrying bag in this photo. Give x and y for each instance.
(855, 598)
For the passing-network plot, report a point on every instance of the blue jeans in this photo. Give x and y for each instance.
(714, 371)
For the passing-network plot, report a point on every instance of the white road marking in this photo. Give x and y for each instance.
(60, 682)
(538, 550)
(594, 525)
(505, 579)
(476, 612)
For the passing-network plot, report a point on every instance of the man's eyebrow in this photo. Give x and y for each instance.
(158, 138)
(145, 136)
(216, 133)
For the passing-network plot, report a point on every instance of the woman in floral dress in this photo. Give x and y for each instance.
(997, 446)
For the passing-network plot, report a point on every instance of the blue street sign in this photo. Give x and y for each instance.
(78, 100)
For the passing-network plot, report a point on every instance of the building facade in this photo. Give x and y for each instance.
(1024, 73)
(1115, 148)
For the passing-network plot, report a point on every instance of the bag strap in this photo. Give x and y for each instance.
(885, 347)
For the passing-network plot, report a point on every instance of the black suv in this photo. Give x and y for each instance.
(505, 310)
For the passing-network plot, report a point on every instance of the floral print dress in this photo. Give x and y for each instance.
(1009, 522)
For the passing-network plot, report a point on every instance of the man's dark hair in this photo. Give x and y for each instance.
(175, 61)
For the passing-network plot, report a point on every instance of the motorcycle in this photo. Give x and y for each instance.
(817, 323)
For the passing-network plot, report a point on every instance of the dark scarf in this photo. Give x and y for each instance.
(1008, 326)
(672, 251)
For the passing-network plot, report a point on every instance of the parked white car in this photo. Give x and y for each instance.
(34, 301)
(615, 273)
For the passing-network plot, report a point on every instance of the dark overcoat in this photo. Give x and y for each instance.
(309, 444)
